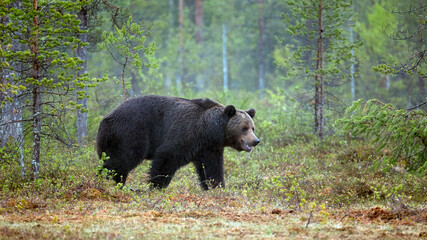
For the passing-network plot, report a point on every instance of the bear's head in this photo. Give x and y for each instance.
(240, 129)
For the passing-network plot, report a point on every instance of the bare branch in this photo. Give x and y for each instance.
(410, 11)
(112, 55)
(16, 121)
(406, 35)
(413, 62)
(57, 137)
(417, 106)
(115, 9)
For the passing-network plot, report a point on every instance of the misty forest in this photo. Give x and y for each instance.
(339, 89)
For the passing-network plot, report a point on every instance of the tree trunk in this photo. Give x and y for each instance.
(410, 91)
(224, 56)
(421, 86)
(421, 47)
(135, 89)
(353, 84)
(37, 117)
(319, 80)
(179, 78)
(198, 22)
(10, 115)
(261, 49)
(168, 81)
(81, 54)
(11, 126)
(10, 122)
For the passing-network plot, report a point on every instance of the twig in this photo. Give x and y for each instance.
(115, 9)
(309, 218)
(411, 10)
(16, 121)
(57, 137)
(417, 106)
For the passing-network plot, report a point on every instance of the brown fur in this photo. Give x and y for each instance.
(173, 132)
(241, 127)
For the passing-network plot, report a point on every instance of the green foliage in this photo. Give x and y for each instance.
(306, 72)
(404, 132)
(413, 31)
(337, 15)
(386, 71)
(128, 47)
(285, 121)
(38, 41)
(57, 30)
(62, 169)
(373, 28)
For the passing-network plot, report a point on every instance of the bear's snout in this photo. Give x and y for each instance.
(256, 141)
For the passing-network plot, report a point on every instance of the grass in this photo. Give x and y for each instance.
(303, 190)
(105, 223)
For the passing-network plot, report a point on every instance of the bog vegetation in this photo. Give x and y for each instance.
(328, 165)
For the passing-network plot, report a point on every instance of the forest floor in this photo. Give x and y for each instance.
(333, 191)
(220, 218)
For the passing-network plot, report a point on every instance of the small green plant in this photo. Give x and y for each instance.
(291, 186)
(404, 132)
(393, 195)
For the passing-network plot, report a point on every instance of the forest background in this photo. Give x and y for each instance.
(303, 65)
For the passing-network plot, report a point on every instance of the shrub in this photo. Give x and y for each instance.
(404, 132)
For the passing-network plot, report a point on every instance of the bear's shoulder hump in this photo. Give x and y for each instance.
(206, 103)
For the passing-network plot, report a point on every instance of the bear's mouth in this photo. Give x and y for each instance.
(246, 147)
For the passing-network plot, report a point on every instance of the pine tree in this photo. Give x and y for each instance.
(319, 26)
(47, 33)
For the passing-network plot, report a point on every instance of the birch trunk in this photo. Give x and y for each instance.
(224, 56)
(261, 86)
(37, 117)
(319, 80)
(81, 54)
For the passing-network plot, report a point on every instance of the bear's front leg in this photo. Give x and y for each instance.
(200, 168)
(161, 174)
(163, 168)
(210, 168)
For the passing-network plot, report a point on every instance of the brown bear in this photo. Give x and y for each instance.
(173, 132)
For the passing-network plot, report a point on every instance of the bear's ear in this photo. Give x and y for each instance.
(230, 110)
(251, 112)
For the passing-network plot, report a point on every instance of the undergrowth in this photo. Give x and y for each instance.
(303, 177)
(289, 171)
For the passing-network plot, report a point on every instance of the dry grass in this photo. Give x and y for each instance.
(215, 218)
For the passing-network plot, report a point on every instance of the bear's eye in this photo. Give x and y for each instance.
(245, 129)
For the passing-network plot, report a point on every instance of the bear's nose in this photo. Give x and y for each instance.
(256, 142)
